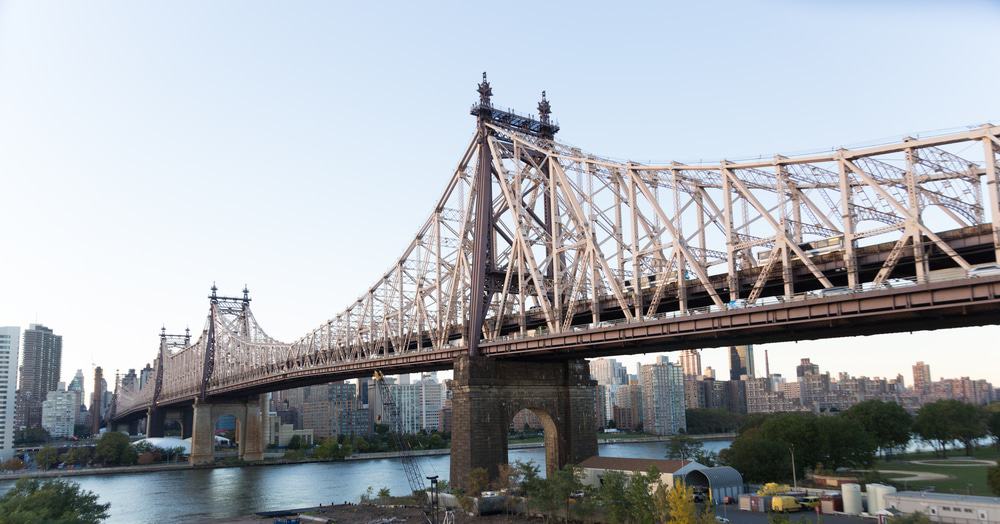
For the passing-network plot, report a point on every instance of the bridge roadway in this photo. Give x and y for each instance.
(807, 315)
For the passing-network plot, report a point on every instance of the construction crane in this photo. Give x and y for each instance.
(391, 411)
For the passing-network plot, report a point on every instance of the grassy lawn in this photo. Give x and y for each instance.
(961, 479)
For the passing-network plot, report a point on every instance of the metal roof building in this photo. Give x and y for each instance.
(945, 507)
(717, 482)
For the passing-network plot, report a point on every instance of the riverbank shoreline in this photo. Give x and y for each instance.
(153, 468)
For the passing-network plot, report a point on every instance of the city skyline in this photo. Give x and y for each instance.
(161, 142)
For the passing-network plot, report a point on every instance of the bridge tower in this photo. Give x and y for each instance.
(250, 412)
(488, 392)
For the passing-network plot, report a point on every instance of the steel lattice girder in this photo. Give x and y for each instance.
(619, 236)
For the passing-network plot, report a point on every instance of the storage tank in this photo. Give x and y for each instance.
(871, 497)
(876, 497)
(852, 498)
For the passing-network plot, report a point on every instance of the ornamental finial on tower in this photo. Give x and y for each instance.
(544, 109)
(163, 331)
(485, 92)
(246, 293)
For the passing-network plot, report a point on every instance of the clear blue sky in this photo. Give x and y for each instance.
(149, 149)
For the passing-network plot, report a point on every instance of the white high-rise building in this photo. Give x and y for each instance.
(59, 411)
(663, 398)
(430, 403)
(10, 338)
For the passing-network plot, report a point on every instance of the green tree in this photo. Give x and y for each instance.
(31, 436)
(47, 457)
(712, 420)
(528, 477)
(384, 493)
(706, 458)
(613, 496)
(993, 479)
(758, 458)
(798, 431)
(82, 430)
(639, 496)
(113, 449)
(945, 421)
(970, 425)
(557, 490)
(330, 449)
(360, 444)
(844, 443)
(78, 455)
(52, 501)
(993, 422)
(682, 447)
(752, 421)
(295, 442)
(887, 422)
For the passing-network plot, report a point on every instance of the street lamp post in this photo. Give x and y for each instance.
(434, 498)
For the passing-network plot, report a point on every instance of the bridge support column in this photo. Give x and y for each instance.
(202, 434)
(155, 419)
(251, 438)
(487, 393)
(249, 415)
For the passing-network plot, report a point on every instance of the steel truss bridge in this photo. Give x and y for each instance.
(538, 248)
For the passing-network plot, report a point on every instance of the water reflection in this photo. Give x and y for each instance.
(189, 495)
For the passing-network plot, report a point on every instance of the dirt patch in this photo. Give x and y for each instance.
(961, 462)
(912, 476)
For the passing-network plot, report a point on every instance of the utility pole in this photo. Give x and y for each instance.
(795, 482)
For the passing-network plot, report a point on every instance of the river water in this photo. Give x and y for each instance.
(192, 495)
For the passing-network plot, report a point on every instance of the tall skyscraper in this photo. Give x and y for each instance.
(663, 398)
(96, 399)
(77, 383)
(691, 362)
(740, 362)
(921, 377)
(40, 367)
(145, 375)
(10, 339)
(76, 386)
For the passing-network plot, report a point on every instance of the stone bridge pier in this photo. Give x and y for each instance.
(159, 418)
(487, 393)
(249, 414)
